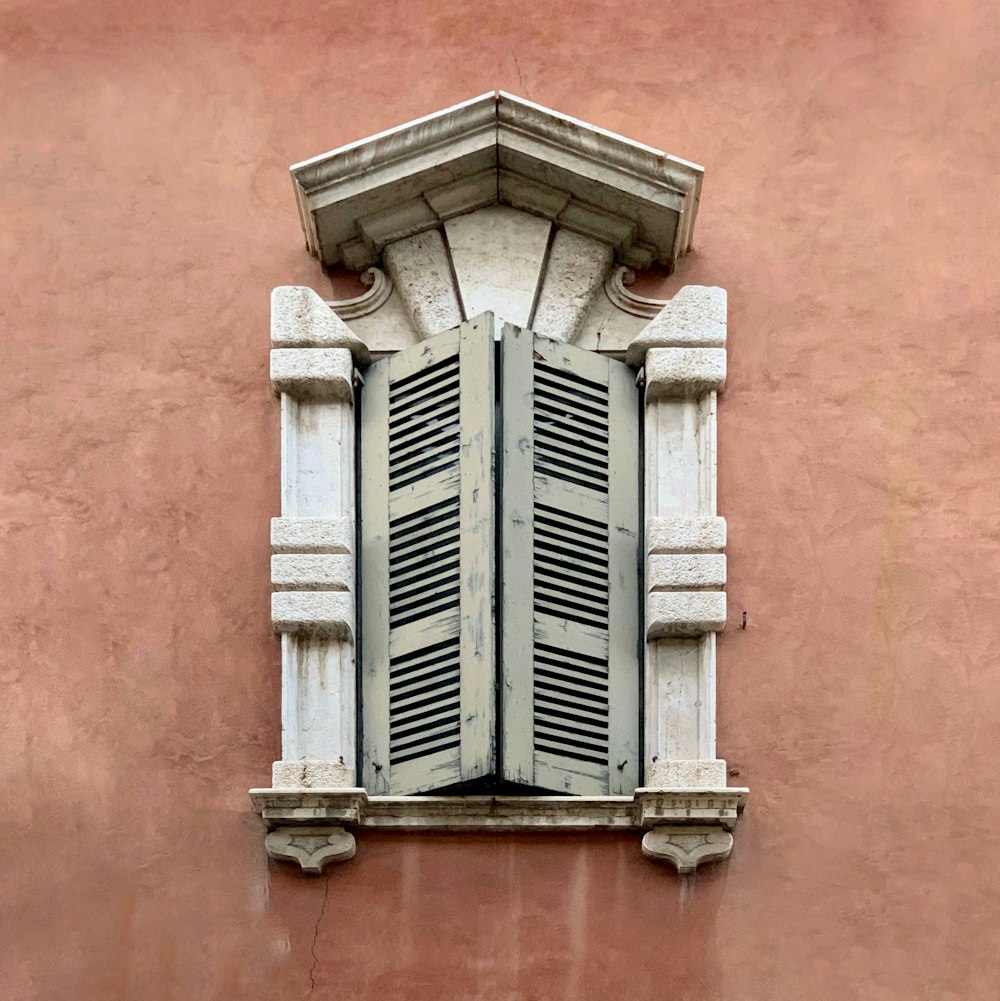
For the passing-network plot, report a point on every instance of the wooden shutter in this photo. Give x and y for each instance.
(427, 540)
(570, 535)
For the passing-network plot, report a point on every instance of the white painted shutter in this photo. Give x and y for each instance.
(570, 535)
(427, 540)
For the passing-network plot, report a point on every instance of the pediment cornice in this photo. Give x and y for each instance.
(497, 149)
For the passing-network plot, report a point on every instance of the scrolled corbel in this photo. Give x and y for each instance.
(379, 289)
(687, 847)
(312, 847)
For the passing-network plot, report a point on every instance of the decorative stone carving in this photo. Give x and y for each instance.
(379, 290)
(311, 847)
(616, 287)
(687, 847)
(497, 148)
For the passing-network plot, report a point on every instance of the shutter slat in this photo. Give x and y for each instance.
(569, 527)
(427, 526)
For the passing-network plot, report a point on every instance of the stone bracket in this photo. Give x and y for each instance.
(309, 814)
(687, 847)
(311, 847)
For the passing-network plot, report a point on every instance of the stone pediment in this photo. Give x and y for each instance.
(497, 149)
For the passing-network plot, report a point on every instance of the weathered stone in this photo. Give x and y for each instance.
(312, 847)
(312, 535)
(301, 319)
(684, 372)
(576, 270)
(319, 613)
(703, 773)
(687, 847)
(421, 271)
(312, 774)
(313, 373)
(312, 572)
(685, 535)
(694, 318)
(676, 571)
(684, 613)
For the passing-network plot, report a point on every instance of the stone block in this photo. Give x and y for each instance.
(312, 774)
(685, 535)
(706, 773)
(312, 572)
(313, 373)
(684, 613)
(301, 319)
(679, 571)
(312, 535)
(694, 318)
(318, 613)
(684, 372)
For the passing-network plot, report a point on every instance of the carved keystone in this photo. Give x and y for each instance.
(311, 847)
(687, 847)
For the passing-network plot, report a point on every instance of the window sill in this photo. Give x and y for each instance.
(682, 826)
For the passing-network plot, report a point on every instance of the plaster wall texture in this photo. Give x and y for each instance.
(849, 211)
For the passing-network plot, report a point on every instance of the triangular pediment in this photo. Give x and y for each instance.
(497, 149)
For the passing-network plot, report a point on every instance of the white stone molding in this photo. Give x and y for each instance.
(312, 570)
(683, 360)
(311, 847)
(646, 809)
(685, 824)
(687, 847)
(379, 290)
(497, 148)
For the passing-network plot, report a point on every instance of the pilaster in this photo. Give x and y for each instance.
(682, 356)
(312, 570)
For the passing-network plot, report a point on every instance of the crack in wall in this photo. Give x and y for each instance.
(312, 947)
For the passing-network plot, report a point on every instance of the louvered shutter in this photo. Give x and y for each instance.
(427, 540)
(570, 534)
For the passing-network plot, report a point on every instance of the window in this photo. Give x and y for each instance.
(492, 654)
(499, 567)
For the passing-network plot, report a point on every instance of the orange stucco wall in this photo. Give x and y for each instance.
(849, 209)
